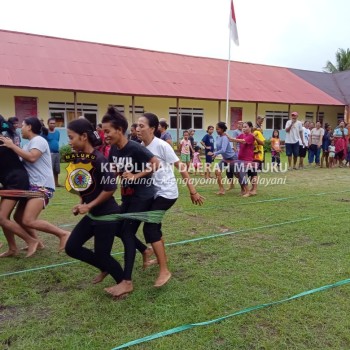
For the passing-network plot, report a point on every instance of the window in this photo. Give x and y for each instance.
(120, 108)
(309, 116)
(64, 112)
(320, 117)
(139, 110)
(190, 118)
(340, 117)
(276, 119)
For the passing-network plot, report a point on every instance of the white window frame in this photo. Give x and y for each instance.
(82, 108)
(183, 111)
(273, 116)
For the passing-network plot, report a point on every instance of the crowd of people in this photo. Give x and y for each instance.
(148, 157)
(146, 153)
(323, 146)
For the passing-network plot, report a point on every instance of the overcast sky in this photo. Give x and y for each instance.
(301, 34)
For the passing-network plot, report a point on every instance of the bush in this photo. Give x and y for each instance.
(64, 150)
(267, 146)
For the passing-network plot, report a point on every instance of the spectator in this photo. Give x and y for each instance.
(208, 144)
(133, 135)
(294, 131)
(304, 147)
(53, 139)
(315, 144)
(164, 134)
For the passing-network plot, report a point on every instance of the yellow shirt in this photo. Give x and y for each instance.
(258, 149)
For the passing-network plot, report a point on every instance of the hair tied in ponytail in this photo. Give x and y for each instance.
(95, 138)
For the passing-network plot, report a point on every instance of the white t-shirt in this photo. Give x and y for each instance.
(164, 178)
(293, 135)
(306, 134)
(40, 172)
(316, 136)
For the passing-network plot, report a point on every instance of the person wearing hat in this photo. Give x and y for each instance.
(294, 132)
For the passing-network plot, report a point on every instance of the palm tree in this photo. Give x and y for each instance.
(343, 62)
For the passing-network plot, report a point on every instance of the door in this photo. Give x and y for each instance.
(236, 116)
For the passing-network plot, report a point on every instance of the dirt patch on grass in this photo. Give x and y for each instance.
(7, 313)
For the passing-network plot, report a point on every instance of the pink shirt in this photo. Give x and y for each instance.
(196, 159)
(185, 146)
(246, 150)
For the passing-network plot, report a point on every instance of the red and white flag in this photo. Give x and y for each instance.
(233, 25)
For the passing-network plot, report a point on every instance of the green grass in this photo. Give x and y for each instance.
(59, 308)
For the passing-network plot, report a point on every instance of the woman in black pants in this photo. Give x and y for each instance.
(94, 182)
(166, 189)
(134, 164)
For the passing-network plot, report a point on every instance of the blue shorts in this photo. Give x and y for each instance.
(292, 149)
(208, 159)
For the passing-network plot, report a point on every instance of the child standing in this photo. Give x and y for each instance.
(186, 148)
(331, 150)
(276, 148)
(208, 144)
(196, 160)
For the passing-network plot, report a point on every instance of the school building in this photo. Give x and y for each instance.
(53, 77)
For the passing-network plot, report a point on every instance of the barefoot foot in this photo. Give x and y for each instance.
(146, 257)
(162, 279)
(32, 247)
(100, 277)
(124, 287)
(63, 241)
(40, 246)
(9, 253)
(220, 193)
(150, 263)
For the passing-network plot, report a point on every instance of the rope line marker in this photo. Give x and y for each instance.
(237, 313)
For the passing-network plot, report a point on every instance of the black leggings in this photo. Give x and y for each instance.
(153, 232)
(104, 233)
(128, 232)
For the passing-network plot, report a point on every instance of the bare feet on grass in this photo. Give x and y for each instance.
(32, 247)
(146, 257)
(150, 263)
(120, 289)
(40, 246)
(220, 193)
(162, 279)
(9, 253)
(63, 241)
(100, 277)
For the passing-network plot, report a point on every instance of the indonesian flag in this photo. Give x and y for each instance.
(233, 25)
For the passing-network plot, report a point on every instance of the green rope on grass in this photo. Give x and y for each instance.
(154, 216)
(243, 311)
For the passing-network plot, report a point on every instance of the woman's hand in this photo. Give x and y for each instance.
(81, 209)
(6, 141)
(196, 198)
(129, 176)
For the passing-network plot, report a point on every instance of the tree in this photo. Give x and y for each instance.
(343, 62)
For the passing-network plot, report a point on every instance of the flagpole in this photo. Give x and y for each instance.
(228, 78)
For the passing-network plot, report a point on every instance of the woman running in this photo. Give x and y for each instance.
(96, 199)
(134, 164)
(37, 161)
(166, 188)
(13, 176)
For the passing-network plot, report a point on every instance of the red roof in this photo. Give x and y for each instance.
(41, 62)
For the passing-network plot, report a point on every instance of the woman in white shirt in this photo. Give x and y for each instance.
(166, 188)
(36, 158)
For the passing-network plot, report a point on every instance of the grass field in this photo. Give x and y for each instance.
(291, 238)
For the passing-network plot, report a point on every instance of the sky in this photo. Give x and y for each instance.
(302, 34)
